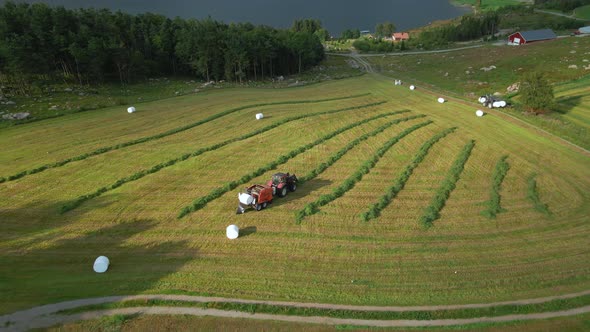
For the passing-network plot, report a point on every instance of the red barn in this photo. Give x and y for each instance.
(526, 37)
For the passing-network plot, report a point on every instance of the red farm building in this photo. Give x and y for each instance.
(526, 37)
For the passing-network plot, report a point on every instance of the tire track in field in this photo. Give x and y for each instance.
(156, 168)
(313, 207)
(45, 315)
(199, 203)
(375, 210)
(162, 135)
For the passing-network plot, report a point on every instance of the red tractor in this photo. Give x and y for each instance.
(259, 196)
(282, 183)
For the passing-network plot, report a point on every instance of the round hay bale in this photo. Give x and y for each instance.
(479, 113)
(482, 99)
(259, 116)
(412, 87)
(232, 232)
(441, 100)
(502, 103)
(131, 110)
(101, 264)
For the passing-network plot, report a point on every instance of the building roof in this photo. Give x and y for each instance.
(542, 34)
(401, 35)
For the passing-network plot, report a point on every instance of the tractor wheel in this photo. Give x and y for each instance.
(264, 205)
(292, 187)
(258, 207)
(283, 192)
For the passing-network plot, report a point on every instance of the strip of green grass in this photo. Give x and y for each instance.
(432, 212)
(218, 192)
(533, 196)
(340, 153)
(493, 205)
(555, 305)
(313, 207)
(391, 192)
(156, 168)
(162, 135)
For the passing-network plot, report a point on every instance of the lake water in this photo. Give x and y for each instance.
(336, 15)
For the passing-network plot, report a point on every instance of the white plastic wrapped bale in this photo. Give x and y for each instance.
(482, 99)
(497, 104)
(259, 116)
(412, 87)
(101, 264)
(502, 103)
(131, 110)
(479, 113)
(232, 232)
(245, 198)
(441, 100)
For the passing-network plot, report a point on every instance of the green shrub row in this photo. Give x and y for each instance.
(533, 195)
(81, 199)
(199, 203)
(391, 192)
(340, 153)
(432, 212)
(313, 207)
(162, 135)
(493, 205)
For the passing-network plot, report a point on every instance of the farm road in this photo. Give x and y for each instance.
(45, 316)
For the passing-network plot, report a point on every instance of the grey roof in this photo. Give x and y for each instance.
(538, 35)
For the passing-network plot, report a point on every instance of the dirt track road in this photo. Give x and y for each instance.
(45, 316)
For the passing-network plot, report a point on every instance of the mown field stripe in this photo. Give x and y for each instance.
(164, 134)
(156, 168)
(313, 207)
(218, 192)
(533, 195)
(340, 153)
(493, 205)
(432, 211)
(375, 210)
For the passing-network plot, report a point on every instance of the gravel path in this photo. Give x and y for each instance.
(44, 316)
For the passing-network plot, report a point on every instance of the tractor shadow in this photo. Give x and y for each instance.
(248, 231)
(302, 191)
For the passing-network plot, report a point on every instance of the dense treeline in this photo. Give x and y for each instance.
(470, 27)
(563, 5)
(89, 45)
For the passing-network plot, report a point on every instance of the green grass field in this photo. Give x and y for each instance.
(565, 63)
(492, 4)
(583, 12)
(332, 256)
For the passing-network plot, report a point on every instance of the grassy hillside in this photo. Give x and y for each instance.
(492, 4)
(493, 68)
(365, 131)
(583, 12)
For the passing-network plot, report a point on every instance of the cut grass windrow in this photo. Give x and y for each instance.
(164, 134)
(533, 195)
(391, 192)
(493, 205)
(432, 212)
(313, 207)
(340, 153)
(218, 192)
(81, 199)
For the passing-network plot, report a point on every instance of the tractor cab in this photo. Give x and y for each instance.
(282, 183)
